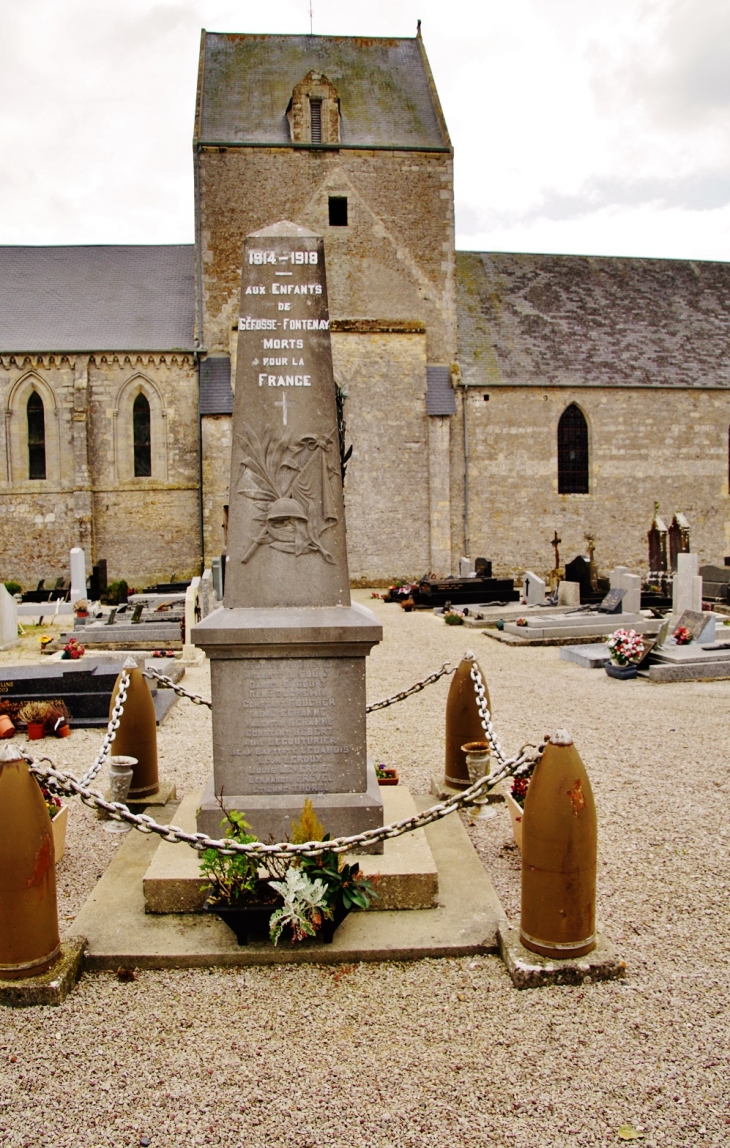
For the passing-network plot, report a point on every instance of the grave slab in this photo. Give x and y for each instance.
(407, 871)
(590, 657)
(121, 934)
(529, 970)
(51, 987)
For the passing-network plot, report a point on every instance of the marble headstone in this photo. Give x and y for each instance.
(623, 579)
(686, 586)
(8, 619)
(78, 574)
(287, 647)
(569, 594)
(466, 567)
(533, 589)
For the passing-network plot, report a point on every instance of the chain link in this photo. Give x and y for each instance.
(196, 699)
(67, 784)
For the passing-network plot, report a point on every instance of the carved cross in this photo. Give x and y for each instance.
(555, 542)
(284, 402)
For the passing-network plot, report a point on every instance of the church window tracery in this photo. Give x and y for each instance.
(36, 436)
(573, 460)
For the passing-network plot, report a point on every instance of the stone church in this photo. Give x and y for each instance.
(491, 399)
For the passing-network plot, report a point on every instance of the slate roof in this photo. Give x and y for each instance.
(570, 320)
(387, 94)
(216, 396)
(439, 391)
(110, 298)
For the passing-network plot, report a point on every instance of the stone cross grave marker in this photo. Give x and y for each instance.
(533, 589)
(287, 647)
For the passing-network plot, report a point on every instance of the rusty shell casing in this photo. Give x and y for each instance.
(29, 937)
(559, 847)
(463, 723)
(137, 734)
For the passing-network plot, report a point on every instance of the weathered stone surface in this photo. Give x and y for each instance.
(51, 987)
(8, 619)
(591, 657)
(529, 970)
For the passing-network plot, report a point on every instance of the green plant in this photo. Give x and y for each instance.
(453, 619)
(116, 593)
(13, 587)
(344, 883)
(305, 906)
(233, 878)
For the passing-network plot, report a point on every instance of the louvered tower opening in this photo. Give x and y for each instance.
(315, 112)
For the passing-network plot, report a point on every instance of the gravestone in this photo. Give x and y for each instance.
(466, 567)
(579, 570)
(678, 539)
(701, 626)
(206, 593)
(8, 619)
(217, 576)
(686, 587)
(568, 594)
(287, 647)
(623, 579)
(611, 604)
(657, 539)
(533, 589)
(715, 582)
(78, 574)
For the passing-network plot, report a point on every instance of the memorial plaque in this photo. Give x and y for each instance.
(286, 524)
(696, 622)
(611, 604)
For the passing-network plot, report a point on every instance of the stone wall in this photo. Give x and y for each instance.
(216, 443)
(146, 528)
(394, 259)
(645, 445)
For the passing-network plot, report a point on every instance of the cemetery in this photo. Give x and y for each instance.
(231, 847)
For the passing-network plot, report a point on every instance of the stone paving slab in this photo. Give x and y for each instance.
(591, 656)
(121, 934)
(51, 987)
(408, 878)
(529, 970)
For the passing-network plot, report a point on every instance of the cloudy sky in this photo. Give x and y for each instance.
(579, 127)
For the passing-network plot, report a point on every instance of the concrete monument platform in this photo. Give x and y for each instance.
(121, 934)
(531, 971)
(408, 878)
(51, 987)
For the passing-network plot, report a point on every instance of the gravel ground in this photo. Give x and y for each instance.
(433, 1052)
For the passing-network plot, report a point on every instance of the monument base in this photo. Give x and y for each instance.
(342, 814)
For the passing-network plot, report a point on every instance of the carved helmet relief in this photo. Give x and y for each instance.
(290, 481)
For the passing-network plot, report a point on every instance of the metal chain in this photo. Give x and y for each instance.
(484, 714)
(111, 730)
(154, 675)
(66, 783)
(196, 699)
(447, 668)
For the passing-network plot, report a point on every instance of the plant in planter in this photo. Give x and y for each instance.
(58, 812)
(515, 798)
(57, 719)
(81, 608)
(682, 636)
(34, 714)
(626, 649)
(453, 619)
(386, 774)
(45, 640)
(305, 906)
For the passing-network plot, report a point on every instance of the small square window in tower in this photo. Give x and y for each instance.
(338, 211)
(315, 119)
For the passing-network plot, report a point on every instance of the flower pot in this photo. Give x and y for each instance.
(252, 920)
(36, 730)
(390, 777)
(621, 672)
(63, 730)
(7, 729)
(515, 812)
(58, 827)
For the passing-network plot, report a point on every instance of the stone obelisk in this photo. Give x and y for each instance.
(287, 647)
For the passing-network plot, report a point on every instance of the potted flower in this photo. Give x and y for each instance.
(46, 641)
(57, 719)
(515, 794)
(58, 813)
(309, 897)
(682, 636)
(33, 714)
(626, 649)
(386, 774)
(452, 618)
(7, 729)
(81, 608)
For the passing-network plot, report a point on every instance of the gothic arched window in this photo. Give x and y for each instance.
(36, 436)
(142, 437)
(572, 452)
